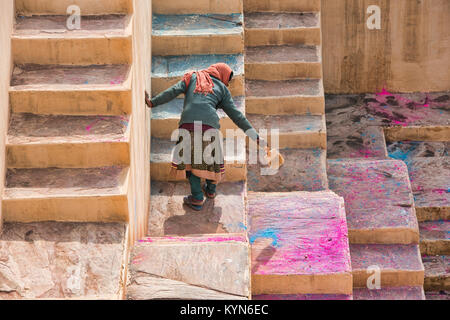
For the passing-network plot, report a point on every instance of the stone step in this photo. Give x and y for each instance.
(71, 90)
(437, 273)
(267, 28)
(54, 260)
(281, 5)
(88, 7)
(47, 40)
(42, 141)
(435, 237)
(441, 295)
(283, 62)
(295, 131)
(399, 265)
(161, 159)
(378, 200)
(169, 217)
(197, 34)
(168, 70)
(66, 195)
(404, 117)
(190, 268)
(355, 142)
(285, 97)
(401, 293)
(166, 117)
(303, 170)
(302, 297)
(299, 243)
(199, 6)
(429, 181)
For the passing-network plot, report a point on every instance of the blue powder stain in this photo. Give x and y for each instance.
(242, 226)
(266, 233)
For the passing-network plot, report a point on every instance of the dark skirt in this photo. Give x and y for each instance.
(214, 170)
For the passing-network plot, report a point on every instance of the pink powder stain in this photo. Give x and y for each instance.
(440, 191)
(89, 127)
(198, 240)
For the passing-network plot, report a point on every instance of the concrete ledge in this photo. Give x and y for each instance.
(295, 131)
(43, 141)
(88, 7)
(46, 40)
(51, 260)
(199, 6)
(299, 243)
(281, 5)
(437, 273)
(378, 200)
(435, 237)
(71, 90)
(401, 293)
(226, 214)
(197, 34)
(74, 195)
(203, 267)
(400, 265)
(262, 29)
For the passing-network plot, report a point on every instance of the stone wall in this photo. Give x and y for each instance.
(6, 23)
(139, 184)
(408, 54)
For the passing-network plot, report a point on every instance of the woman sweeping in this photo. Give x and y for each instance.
(205, 92)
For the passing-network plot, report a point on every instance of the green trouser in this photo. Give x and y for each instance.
(196, 186)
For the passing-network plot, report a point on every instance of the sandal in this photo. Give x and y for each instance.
(197, 205)
(207, 194)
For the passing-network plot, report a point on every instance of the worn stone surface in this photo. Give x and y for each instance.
(55, 181)
(378, 200)
(270, 20)
(224, 214)
(205, 267)
(262, 88)
(36, 76)
(197, 24)
(435, 237)
(441, 295)
(303, 170)
(401, 293)
(280, 54)
(430, 183)
(302, 297)
(419, 149)
(299, 243)
(32, 128)
(437, 272)
(62, 260)
(56, 25)
(400, 265)
(366, 142)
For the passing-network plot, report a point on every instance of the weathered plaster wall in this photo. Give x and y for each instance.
(139, 183)
(6, 23)
(409, 53)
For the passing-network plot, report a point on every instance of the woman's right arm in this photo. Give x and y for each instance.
(169, 94)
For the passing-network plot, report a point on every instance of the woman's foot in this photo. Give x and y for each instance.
(195, 204)
(208, 194)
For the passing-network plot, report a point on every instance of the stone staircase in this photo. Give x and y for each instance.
(284, 90)
(429, 171)
(191, 255)
(70, 159)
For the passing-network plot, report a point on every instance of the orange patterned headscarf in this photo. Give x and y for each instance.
(204, 84)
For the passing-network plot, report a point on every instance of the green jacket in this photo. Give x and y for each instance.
(198, 107)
